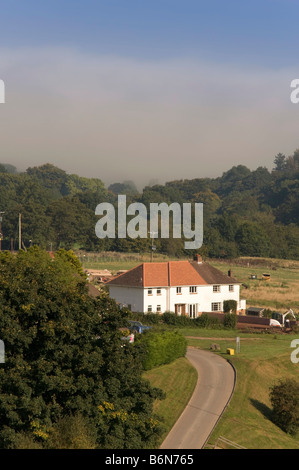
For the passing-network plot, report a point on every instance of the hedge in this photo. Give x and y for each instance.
(163, 348)
(179, 321)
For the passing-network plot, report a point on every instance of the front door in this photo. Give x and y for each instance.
(180, 309)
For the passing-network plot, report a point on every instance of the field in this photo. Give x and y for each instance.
(280, 293)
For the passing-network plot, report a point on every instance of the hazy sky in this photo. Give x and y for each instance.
(148, 90)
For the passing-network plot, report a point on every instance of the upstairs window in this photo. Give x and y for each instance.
(178, 290)
(193, 289)
(216, 288)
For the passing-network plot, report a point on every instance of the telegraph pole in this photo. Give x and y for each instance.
(1, 234)
(20, 231)
(152, 237)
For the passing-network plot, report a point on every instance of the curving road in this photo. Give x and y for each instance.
(215, 385)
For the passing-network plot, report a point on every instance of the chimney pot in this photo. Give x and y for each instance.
(198, 258)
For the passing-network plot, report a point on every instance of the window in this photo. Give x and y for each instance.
(159, 291)
(178, 290)
(216, 288)
(149, 308)
(193, 289)
(159, 308)
(231, 288)
(216, 306)
(149, 291)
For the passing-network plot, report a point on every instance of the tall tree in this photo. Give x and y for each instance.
(64, 355)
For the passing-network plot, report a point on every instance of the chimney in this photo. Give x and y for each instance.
(197, 258)
(230, 274)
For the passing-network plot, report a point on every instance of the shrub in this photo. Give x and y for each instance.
(207, 321)
(284, 398)
(171, 318)
(229, 306)
(163, 348)
(146, 318)
(230, 320)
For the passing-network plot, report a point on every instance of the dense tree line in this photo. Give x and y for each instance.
(69, 378)
(246, 212)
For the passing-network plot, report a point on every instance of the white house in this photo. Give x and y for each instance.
(184, 287)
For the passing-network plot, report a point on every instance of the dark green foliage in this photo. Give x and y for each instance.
(246, 213)
(284, 398)
(178, 321)
(207, 321)
(230, 306)
(230, 321)
(171, 318)
(64, 357)
(163, 348)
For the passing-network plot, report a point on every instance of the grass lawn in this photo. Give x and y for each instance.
(262, 361)
(178, 381)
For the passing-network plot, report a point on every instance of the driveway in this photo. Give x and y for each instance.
(216, 378)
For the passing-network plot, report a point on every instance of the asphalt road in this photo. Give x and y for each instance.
(213, 390)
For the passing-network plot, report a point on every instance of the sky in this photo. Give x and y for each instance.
(148, 91)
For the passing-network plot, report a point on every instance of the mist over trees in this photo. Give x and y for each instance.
(246, 212)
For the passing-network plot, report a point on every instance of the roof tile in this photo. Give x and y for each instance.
(171, 273)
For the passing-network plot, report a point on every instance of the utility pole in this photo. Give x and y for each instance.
(1, 234)
(20, 231)
(152, 237)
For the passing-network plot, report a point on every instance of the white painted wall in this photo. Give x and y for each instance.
(128, 296)
(140, 299)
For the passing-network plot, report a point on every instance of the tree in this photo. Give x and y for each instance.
(252, 240)
(280, 162)
(64, 356)
(284, 398)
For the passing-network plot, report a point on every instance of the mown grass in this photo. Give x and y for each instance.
(262, 361)
(178, 381)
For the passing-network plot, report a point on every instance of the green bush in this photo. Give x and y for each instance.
(230, 321)
(171, 318)
(163, 348)
(146, 318)
(230, 306)
(207, 321)
(284, 398)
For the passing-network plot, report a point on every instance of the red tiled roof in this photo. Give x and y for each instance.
(171, 273)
